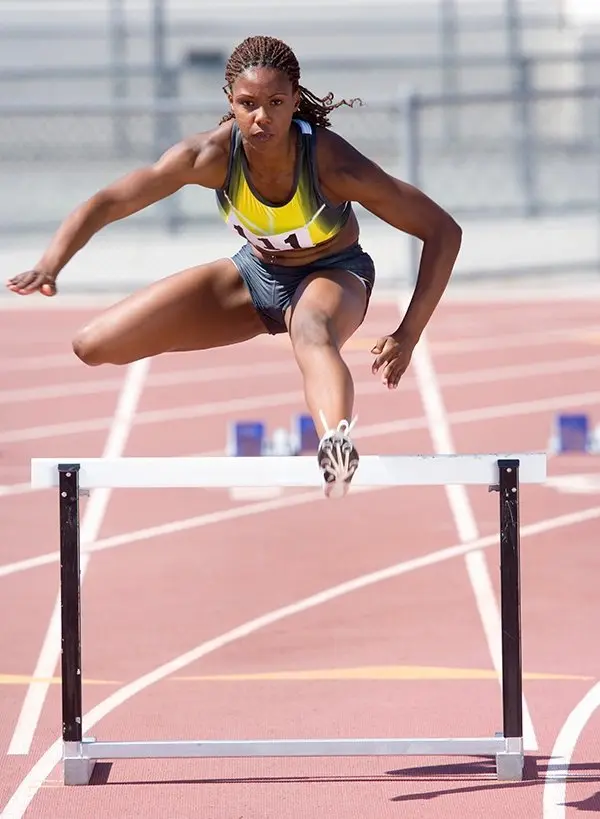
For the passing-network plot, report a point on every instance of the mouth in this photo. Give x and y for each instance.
(262, 136)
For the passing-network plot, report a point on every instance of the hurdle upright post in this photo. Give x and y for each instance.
(70, 610)
(510, 607)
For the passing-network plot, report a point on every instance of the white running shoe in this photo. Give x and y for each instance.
(338, 458)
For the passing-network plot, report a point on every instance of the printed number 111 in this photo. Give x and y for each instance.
(291, 240)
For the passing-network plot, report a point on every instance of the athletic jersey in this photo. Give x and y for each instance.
(305, 220)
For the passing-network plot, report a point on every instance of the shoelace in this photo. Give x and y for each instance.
(343, 427)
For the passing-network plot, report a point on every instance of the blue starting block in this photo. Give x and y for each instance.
(246, 439)
(305, 434)
(573, 433)
(249, 438)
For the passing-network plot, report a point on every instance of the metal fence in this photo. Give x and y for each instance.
(533, 153)
(493, 113)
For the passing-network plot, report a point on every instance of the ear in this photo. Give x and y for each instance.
(296, 100)
(228, 94)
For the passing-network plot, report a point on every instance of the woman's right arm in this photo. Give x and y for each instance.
(196, 161)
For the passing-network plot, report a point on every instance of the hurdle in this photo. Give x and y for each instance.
(503, 473)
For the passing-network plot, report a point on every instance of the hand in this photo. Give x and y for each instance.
(393, 353)
(33, 280)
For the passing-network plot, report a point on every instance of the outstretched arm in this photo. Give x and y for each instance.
(198, 160)
(352, 176)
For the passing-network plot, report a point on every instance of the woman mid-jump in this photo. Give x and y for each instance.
(285, 183)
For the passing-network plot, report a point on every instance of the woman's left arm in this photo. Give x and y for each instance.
(351, 176)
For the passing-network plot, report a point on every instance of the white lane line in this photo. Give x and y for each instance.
(187, 412)
(41, 770)
(371, 387)
(173, 527)
(95, 510)
(557, 771)
(466, 416)
(171, 378)
(15, 489)
(186, 524)
(224, 373)
(486, 413)
(542, 338)
(60, 361)
(465, 521)
(508, 340)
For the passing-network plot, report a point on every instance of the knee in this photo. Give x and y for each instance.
(311, 330)
(87, 346)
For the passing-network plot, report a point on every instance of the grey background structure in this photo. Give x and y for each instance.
(491, 106)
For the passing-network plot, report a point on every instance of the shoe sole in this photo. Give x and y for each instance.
(336, 488)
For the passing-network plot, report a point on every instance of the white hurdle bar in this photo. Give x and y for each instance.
(502, 473)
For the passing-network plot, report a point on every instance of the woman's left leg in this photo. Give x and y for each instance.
(327, 309)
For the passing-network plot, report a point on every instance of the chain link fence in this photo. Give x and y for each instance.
(481, 155)
(522, 175)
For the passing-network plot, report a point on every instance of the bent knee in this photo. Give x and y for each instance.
(89, 347)
(314, 329)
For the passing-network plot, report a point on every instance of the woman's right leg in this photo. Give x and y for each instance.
(196, 309)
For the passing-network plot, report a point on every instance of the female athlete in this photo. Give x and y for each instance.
(285, 183)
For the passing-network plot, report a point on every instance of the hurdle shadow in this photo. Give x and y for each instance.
(591, 804)
(534, 771)
(477, 774)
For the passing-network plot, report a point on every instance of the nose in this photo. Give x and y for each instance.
(261, 115)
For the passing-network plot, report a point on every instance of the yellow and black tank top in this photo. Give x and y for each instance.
(305, 220)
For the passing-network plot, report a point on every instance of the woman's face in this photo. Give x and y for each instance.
(263, 102)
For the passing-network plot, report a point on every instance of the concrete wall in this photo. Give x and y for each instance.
(511, 251)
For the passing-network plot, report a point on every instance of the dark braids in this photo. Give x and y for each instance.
(269, 52)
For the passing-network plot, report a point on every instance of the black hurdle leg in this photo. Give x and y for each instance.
(510, 764)
(510, 594)
(70, 586)
(77, 768)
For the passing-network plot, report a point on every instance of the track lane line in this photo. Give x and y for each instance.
(198, 375)
(35, 696)
(194, 411)
(33, 780)
(438, 420)
(557, 771)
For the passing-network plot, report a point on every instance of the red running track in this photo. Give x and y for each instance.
(406, 656)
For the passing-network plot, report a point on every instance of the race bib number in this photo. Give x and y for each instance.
(296, 240)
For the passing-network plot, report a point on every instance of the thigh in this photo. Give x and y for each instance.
(334, 301)
(196, 309)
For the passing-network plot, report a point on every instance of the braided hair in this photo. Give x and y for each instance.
(269, 52)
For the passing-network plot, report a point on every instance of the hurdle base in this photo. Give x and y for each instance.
(78, 766)
(80, 757)
(511, 762)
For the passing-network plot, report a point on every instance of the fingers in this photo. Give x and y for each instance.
(30, 282)
(49, 289)
(393, 373)
(391, 360)
(387, 351)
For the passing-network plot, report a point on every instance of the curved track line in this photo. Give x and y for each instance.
(555, 785)
(33, 780)
(115, 541)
